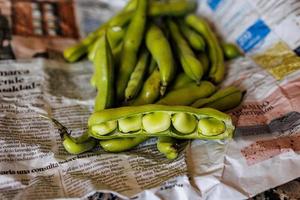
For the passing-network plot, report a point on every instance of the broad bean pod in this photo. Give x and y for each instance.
(131, 43)
(217, 69)
(223, 100)
(188, 94)
(152, 120)
(194, 39)
(161, 52)
(104, 74)
(121, 144)
(136, 78)
(190, 64)
(150, 90)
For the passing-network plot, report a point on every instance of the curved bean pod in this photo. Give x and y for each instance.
(121, 144)
(188, 94)
(194, 39)
(217, 70)
(160, 50)
(175, 8)
(168, 146)
(136, 78)
(150, 90)
(104, 70)
(132, 41)
(181, 81)
(230, 51)
(191, 65)
(223, 100)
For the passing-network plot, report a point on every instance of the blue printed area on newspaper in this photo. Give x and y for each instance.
(213, 4)
(253, 35)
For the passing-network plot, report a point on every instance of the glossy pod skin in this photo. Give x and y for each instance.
(194, 39)
(217, 69)
(161, 52)
(181, 81)
(169, 8)
(223, 100)
(230, 51)
(155, 120)
(132, 41)
(167, 146)
(121, 144)
(188, 94)
(104, 70)
(136, 78)
(150, 90)
(190, 64)
(74, 53)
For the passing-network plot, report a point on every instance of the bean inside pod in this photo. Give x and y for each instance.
(160, 120)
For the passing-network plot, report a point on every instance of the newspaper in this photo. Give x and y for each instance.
(35, 81)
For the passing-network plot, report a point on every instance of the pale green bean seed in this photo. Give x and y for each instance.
(211, 126)
(156, 122)
(105, 128)
(184, 123)
(130, 124)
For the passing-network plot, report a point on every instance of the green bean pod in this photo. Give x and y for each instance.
(160, 50)
(223, 100)
(74, 53)
(150, 90)
(152, 120)
(168, 146)
(217, 70)
(191, 65)
(181, 81)
(78, 145)
(121, 144)
(188, 94)
(132, 41)
(175, 8)
(204, 61)
(230, 51)
(194, 39)
(73, 145)
(104, 72)
(136, 79)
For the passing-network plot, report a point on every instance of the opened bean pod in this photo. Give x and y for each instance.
(160, 120)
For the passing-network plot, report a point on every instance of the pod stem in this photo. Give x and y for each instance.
(61, 128)
(162, 90)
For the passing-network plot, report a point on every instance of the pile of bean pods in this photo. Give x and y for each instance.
(156, 65)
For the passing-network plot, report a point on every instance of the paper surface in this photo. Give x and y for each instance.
(264, 152)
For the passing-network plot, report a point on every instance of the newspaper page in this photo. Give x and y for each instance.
(35, 81)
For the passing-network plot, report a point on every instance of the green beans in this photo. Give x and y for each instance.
(136, 78)
(121, 144)
(230, 51)
(223, 100)
(188, 94)
(181, 80)
(168, 146)
(217, 70)
(204, 61)
(132, 42)
(77, 145)
(157, 121)
(175, 8)
(191, 65)
(77, 51)
(150, 90)
(73, 145)
(104, 70)
(194, 39)
(160, 50)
